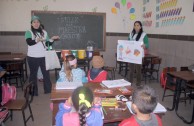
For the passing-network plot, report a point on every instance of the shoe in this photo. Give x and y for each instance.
(41, 80)
(47, 92)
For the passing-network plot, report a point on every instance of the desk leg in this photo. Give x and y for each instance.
(54, 112)
(184, 120)
(177, 104)
(178, 94)
(175, 96)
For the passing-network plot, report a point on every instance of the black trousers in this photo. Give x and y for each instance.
(34, 63)
(137, 68)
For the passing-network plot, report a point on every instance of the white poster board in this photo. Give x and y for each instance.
(130, 51)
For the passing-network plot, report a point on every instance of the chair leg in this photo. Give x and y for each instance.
(11, 115)
(24, 118)
(190, 97)
(21, 82)
(185, 96)
(158, 76)
(164, 94)
(145, 77)
(31, 112)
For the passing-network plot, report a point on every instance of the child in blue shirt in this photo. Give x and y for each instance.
(69, 71)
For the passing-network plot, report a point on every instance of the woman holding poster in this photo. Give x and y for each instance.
(138, 35)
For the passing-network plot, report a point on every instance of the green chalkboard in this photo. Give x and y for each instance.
(77, 30)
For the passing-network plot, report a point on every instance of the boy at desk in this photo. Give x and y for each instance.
(144, 101)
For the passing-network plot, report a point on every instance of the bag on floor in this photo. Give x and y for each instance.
(51, 60)
(8, 93)
(3, 112)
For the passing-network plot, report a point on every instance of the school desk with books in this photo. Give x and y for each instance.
(113, 115)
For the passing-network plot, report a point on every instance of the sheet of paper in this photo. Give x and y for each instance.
(116, 83)
(159, 108)
(68, 85)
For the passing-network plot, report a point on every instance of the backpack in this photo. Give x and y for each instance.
(3, 113)
(8, 93)
(163, 75)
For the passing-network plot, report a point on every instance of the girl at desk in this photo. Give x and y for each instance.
(85, 113)
(69, 71)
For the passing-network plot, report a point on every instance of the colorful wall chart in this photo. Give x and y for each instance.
(147, 15)
(168, 13)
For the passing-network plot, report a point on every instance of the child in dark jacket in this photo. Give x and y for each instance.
(144, 101)
(97, 74)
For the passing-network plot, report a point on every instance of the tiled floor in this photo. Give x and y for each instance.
(42, 112)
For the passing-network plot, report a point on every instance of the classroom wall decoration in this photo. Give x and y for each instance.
(124, 5)
(171, 17)
(147, 15)
(169, 13)
(128, 5)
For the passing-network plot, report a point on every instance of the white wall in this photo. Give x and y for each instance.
(16, 14)
(173, 53)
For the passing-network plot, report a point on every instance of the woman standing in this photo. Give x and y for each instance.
(138, 35)
(37, 40)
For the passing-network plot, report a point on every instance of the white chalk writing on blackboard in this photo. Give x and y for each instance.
(71, 29)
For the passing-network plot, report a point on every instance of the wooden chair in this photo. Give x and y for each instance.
(184, 68)
(14, 71)
(5, 53)
(110, 69)
(22, 104)
(170, 83)
(154, 68)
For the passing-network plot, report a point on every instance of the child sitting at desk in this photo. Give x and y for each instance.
(97, 74)
(144, 101)
(85, 115)
(69, 71)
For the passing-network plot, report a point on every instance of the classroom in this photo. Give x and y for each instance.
(104, 29)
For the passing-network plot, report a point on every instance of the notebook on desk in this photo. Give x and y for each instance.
(116, 83)
(68, 85)
(159, 108)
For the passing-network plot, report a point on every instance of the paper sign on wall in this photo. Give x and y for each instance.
(129, 51)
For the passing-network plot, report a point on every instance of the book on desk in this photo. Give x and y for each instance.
(116, 83)
(68, 85)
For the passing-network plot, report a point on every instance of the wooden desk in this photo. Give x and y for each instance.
(180, 76)
(58, 96)
(5, 58)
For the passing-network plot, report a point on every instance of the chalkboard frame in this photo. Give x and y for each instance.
(34, 12)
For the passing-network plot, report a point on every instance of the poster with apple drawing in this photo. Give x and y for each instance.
(129, 51)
